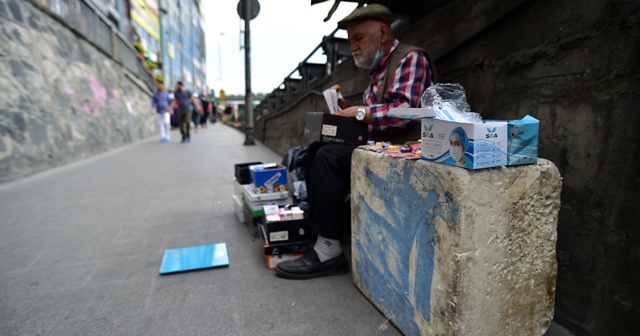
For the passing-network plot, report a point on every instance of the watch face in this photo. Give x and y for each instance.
(361, 114)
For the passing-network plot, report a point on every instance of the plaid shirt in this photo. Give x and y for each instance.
(412, 77)
(161, 101)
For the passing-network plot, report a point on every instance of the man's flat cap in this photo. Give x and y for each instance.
(374, 12)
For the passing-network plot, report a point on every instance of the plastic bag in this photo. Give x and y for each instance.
(294, 161)
(449, 102)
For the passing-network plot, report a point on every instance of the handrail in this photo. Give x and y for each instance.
(312, 53)
(259, 109)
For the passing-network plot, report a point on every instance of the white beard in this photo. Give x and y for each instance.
(364, 57)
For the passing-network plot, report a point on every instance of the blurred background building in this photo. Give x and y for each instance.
(169, 33)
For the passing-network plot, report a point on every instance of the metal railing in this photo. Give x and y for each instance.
(333, 47)
(87, 21)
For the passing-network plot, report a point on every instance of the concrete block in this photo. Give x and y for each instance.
(442, 250)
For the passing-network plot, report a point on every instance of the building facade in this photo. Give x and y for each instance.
(183, 53)
(171, 32)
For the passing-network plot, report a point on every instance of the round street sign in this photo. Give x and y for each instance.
(255, 9)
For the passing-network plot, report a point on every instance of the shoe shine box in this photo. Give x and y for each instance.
(285, 230)
(269, 178)
(325, 127)
(277, 253)
(468, 145)
(242, 174)
(283, 248)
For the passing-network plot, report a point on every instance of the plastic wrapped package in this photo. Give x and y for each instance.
(449, 102)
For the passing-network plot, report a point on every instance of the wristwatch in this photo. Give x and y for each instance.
(361, 113)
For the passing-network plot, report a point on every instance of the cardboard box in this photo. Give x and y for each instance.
(255, 201)
(238, 189)
(237, 207)
(252, 219)
(273, 249)
(269, 178)
(411, 113)
(331, 128)
(283, 247)
(242, 174)
(485, 144)
(287, 231)
(273, 260)
(523, 141)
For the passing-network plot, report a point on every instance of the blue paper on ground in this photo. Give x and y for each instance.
(194, 258)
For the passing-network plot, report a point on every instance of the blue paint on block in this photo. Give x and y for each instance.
(409, 224)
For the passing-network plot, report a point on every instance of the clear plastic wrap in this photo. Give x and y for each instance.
(449, 102)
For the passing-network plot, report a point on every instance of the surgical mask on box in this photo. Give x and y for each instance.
(467, 145)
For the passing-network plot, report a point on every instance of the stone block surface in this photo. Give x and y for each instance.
(442, 250)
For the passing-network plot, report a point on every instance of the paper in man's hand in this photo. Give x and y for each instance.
(331, 96)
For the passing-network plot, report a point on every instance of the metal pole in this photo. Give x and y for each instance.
(220, 58)
(181, 51)
(248, 128)
(163, 72)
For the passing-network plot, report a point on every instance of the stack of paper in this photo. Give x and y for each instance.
(332, 96)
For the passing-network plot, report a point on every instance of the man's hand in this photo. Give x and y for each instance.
(343, 103)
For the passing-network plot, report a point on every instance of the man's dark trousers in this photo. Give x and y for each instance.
(328, 178)
(184, 120)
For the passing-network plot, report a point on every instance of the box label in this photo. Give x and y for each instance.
(269, 178)
(471, 146)
(278, 236)
(329, 130)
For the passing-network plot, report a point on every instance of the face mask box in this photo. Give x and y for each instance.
(472, 146)
(269, 178)
(523, 141)
(331, 128)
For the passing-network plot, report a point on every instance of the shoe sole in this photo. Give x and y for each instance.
(330, 272)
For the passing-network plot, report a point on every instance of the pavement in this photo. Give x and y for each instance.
(81, 247)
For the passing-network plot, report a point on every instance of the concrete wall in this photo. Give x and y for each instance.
(573, 65)
(62, 100)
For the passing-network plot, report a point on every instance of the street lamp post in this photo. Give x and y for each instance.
(220, 59)
(248, 128)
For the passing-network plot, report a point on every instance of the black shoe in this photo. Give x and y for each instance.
(309, 266)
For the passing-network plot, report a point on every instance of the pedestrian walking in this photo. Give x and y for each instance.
(197, 117)
(184, 99)
(160, 104)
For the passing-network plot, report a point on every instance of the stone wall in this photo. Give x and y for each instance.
(62, 99)
(574, 66)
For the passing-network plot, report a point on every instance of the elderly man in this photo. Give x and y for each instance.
(399, 74)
